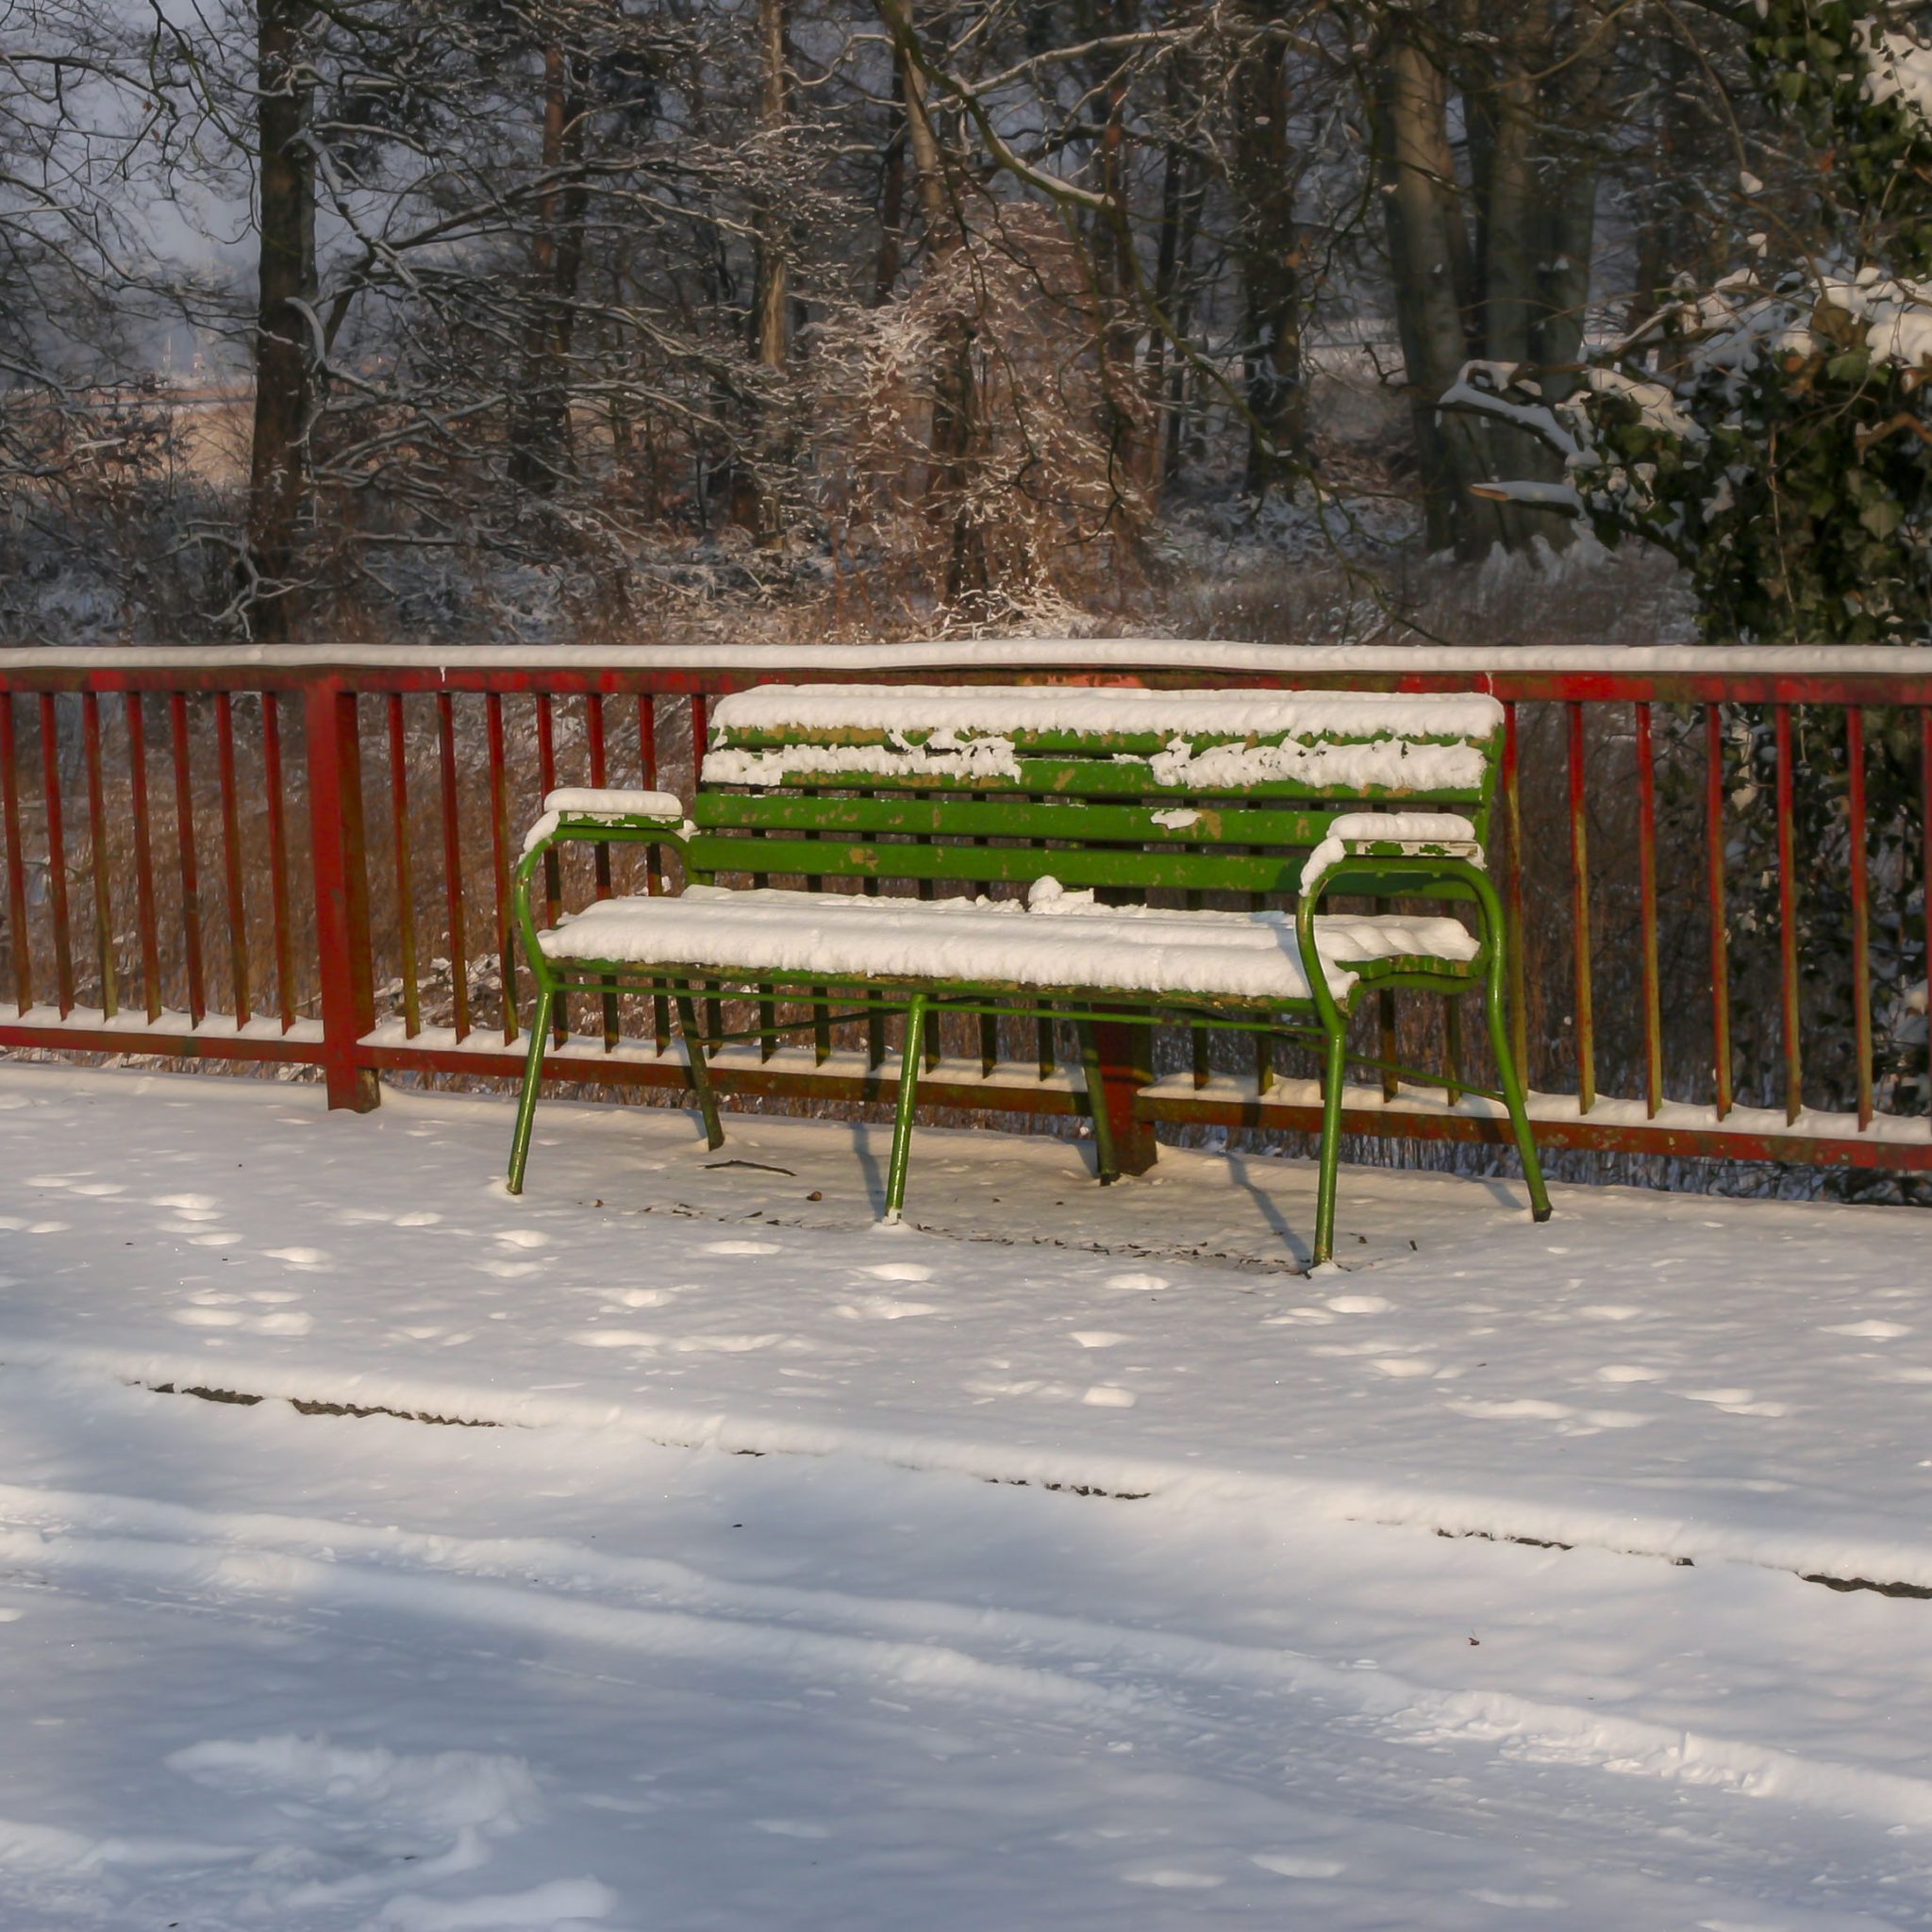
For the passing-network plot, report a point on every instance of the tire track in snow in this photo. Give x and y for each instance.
(1075, 1666)
(1898, 1568)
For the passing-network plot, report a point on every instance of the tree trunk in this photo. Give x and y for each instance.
(541, 438)
(1579, 104)
(1428, 255)
(1268, 255)
(955, 428)
(1167, 274)
(1673, 237)
(1190, 185)
(1119, 319)
(1502, 109)
(892, 194)
(284, 357)
(758, 506)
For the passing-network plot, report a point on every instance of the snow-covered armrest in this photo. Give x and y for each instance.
(1372, 835)
(576, 805)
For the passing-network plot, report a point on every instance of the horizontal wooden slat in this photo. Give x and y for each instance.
(967, 818)
(986, 864)
(1123, 779)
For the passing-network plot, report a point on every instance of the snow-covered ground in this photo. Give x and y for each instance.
(597, 1666)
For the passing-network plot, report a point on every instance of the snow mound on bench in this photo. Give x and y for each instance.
(1415, 832)
(1134, 948)
(1354, 743)
(601, 803)
(998, 709)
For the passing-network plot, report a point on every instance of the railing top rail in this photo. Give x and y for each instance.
(1670, 674)
(984, 654)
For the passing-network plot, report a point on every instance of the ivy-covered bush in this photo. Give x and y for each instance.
(1773, 437)
(1774, 433)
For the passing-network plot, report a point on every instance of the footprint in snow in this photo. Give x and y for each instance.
(1136, 1284)
(639, 1297)
(1358, 1304)
(615, 1337)
(1525, 1409)
(1867, 1331)
(881, 1307)
(1291, 1865)
(1173, 1877)
(739, 1248)
(899, 1271)
(288, 1321)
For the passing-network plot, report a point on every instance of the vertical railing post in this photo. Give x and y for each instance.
(1646, 893)
(1925, 862)
(1788, 913)
(1125, 1057)
(1861, 909)
(1720, 929)
(1579, 915)
(1512, 892)
(16, 858)
(341, 891)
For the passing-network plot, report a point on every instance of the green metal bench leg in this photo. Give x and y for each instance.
(1512, 1096)
(700, 1067)
(902, 1122)
(1495, 1013)
(526, 1099)
(1106, 1164)
(1335, 1071)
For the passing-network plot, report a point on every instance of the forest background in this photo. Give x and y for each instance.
(625, 318)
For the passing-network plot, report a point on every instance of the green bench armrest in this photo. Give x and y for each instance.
(593, 816)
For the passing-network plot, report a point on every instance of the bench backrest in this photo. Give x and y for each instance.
(1130, 789)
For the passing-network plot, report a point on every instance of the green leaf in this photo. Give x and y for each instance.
(1883, 517)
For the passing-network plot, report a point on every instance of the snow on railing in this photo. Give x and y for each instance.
(1397, 661)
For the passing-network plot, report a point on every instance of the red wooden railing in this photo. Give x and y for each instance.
(303, 857)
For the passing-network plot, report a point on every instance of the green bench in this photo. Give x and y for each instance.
(1174, 850)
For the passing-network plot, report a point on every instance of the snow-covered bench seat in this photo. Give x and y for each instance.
(1035, 824)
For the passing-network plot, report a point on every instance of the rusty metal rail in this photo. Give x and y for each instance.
(1716, 860)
